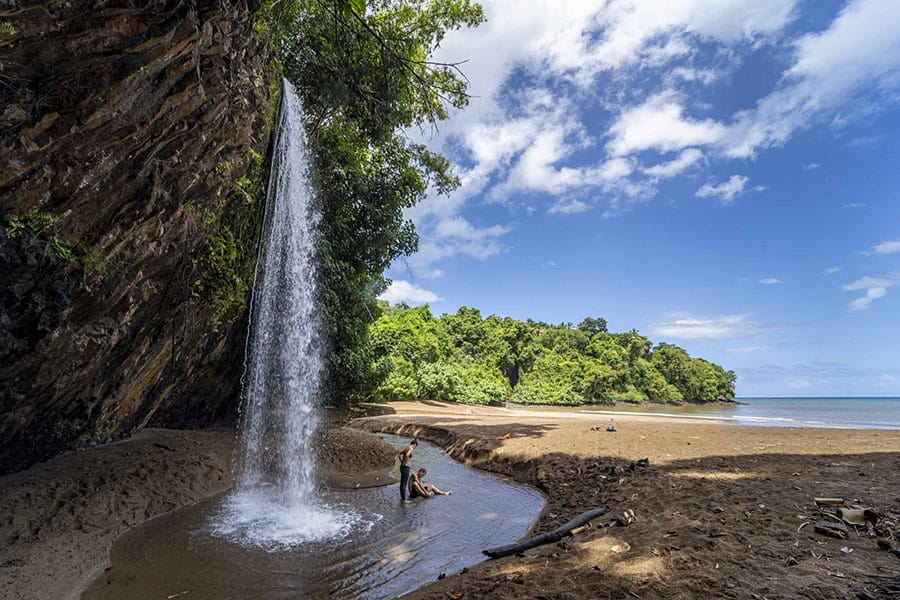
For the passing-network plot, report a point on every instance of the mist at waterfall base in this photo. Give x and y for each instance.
(274, 503)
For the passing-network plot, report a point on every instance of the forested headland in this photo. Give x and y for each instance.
(464, 357)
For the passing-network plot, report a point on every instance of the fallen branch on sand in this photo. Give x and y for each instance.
(546, 538)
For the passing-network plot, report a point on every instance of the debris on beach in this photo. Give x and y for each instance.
(829, 501)
(858, 516)
(600, 428)
(838, 518)
(576, 525)
(832, 528)
(882, 588)
(626, 518)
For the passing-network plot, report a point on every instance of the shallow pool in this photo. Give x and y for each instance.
(390, 549)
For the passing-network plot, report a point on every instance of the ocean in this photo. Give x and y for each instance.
(835, 413)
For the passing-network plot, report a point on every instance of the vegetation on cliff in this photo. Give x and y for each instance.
(465, 358)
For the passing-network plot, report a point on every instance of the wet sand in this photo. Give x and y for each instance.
(717, 510)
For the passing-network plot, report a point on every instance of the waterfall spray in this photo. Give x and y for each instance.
(274, 502)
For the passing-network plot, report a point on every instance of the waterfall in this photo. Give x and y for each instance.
(274, 502)
(285, 354)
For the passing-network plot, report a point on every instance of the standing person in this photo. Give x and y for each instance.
(405, 456)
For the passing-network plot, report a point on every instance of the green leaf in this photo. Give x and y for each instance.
(358, 6)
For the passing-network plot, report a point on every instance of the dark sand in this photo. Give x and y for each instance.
(718, 510)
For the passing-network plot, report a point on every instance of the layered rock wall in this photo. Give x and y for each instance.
(123, 128)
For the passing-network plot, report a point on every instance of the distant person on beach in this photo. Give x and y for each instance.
(405, 456)
(419, 490)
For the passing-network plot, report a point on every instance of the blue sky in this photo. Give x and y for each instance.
(722, 176)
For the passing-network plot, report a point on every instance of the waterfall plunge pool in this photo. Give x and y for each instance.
(380, 549)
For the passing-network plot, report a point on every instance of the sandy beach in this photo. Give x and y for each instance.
(717, 511)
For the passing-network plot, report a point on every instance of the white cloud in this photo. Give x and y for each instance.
(444, 238)
(682, 162)
(461, 229)
(704, 76)
(875, 287)
(872, 293)
(859, 50)
(865, 141)
(834, 269)
(654, 31)
(747, 349)
(889, 247)
(811, 166)
(614, 169)
(568, 206)
(855, 205)
(770, 281)
(688, 327)
(799, 384)
(659, 124)
(726, 191)
(543, 139)
(404, 291)
(869, 282)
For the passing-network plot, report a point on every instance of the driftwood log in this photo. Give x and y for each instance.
(545, 538)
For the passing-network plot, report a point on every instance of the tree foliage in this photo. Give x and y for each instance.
(364, 74)
(466, 358)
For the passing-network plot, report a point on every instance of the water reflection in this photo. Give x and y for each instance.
(391, 549)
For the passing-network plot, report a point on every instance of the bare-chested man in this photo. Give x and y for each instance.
(405, 456)
(417, 489)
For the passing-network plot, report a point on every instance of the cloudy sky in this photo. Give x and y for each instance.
(722, 175)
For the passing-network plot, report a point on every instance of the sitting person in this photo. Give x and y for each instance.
(419, 490)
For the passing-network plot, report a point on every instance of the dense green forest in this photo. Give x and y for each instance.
(463, 357)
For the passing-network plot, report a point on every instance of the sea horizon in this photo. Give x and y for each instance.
(820, 412)
(815, 397)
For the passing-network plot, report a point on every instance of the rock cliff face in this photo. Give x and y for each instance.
(123, 129)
